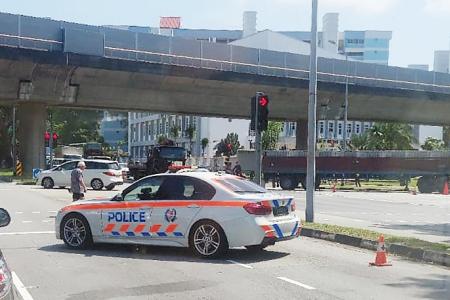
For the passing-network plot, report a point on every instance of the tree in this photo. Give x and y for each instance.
(446, 136)
(359, 142)
(162, 140)
(390, 136)
(231, 139)
(433, 144)
(190, 132)
(271, 135)
(205, 143)
(75, 126)
(174, 132)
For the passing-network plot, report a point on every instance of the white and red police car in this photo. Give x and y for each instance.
(208, 212)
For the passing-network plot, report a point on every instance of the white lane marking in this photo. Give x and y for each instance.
(21, 289)
(26, 232)
(401, 221)
(52, 211)
(239, 264)
(19, 212)
(297, 283)
(35, 212)
(47, 221)
(27, 221)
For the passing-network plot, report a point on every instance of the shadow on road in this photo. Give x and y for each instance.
(160, 253)
(435, 286)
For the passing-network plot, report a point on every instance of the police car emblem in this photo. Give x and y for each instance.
(171, 215)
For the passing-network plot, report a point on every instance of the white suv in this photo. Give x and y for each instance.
(98, 174)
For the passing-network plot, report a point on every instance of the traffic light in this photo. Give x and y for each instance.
(262, 101)
(263, 111)
(47, 138)
(55, 139)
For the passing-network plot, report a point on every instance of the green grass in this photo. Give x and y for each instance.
(373, 235)
(6, 173)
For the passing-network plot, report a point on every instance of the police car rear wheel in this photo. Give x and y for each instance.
(47, 183)
(208, 240)
(76, 232)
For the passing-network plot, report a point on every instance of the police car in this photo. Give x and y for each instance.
(205, 211)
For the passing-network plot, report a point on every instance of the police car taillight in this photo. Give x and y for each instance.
(258, 209)
(5, 278)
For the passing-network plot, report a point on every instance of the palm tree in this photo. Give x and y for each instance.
(190, 132)
(174, 132)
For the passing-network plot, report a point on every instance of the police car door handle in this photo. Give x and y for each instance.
(193, 206)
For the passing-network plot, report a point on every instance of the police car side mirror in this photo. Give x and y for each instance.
(118, 197)
(4, 217)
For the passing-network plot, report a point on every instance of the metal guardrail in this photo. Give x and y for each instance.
(51, 35)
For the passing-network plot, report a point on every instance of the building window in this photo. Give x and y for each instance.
(160, 127)
(357, 128)
(366, 127)
(349, 129)
(321, 127)
(340, 129)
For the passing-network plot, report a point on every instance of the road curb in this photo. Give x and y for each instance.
(416, 254)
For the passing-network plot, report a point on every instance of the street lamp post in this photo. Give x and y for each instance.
(311, 156)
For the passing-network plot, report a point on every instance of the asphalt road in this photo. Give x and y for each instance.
(298, 269)
(423, 216)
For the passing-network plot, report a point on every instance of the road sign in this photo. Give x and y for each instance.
(36, 173)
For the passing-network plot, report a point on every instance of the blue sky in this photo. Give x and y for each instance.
(419, 26)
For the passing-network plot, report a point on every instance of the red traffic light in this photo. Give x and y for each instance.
(47, 136)
(263, 101)
(55, 136)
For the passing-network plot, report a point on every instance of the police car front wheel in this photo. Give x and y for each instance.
(208, 240)
(75, 232)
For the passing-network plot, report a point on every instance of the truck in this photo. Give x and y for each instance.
(289, 167)
(160, 159)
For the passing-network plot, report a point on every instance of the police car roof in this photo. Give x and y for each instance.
(203, 175)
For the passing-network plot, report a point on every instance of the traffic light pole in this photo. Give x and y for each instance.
(258, 145)
(311, 156)
(50, 141)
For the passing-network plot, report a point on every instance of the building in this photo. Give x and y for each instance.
(369, 46)
(145, 129)
(114, 129)
(441, 61)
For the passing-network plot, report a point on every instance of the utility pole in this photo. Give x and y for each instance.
(346, 106)
(311, 156)
(14, 144)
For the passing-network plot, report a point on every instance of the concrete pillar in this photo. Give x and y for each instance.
(301, 135)
(31, 129)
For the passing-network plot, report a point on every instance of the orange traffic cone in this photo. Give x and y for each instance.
(381, 257)
(445, 189)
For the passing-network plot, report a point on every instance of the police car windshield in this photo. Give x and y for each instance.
(241, 186)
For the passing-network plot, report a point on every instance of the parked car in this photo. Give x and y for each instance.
(6, 285)
(98, 174)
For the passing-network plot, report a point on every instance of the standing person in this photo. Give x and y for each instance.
(77, 185)
(357, 180)
(237, 170)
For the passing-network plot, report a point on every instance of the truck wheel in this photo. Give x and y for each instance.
(288, 182)
(425, 185)
(317, 183)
